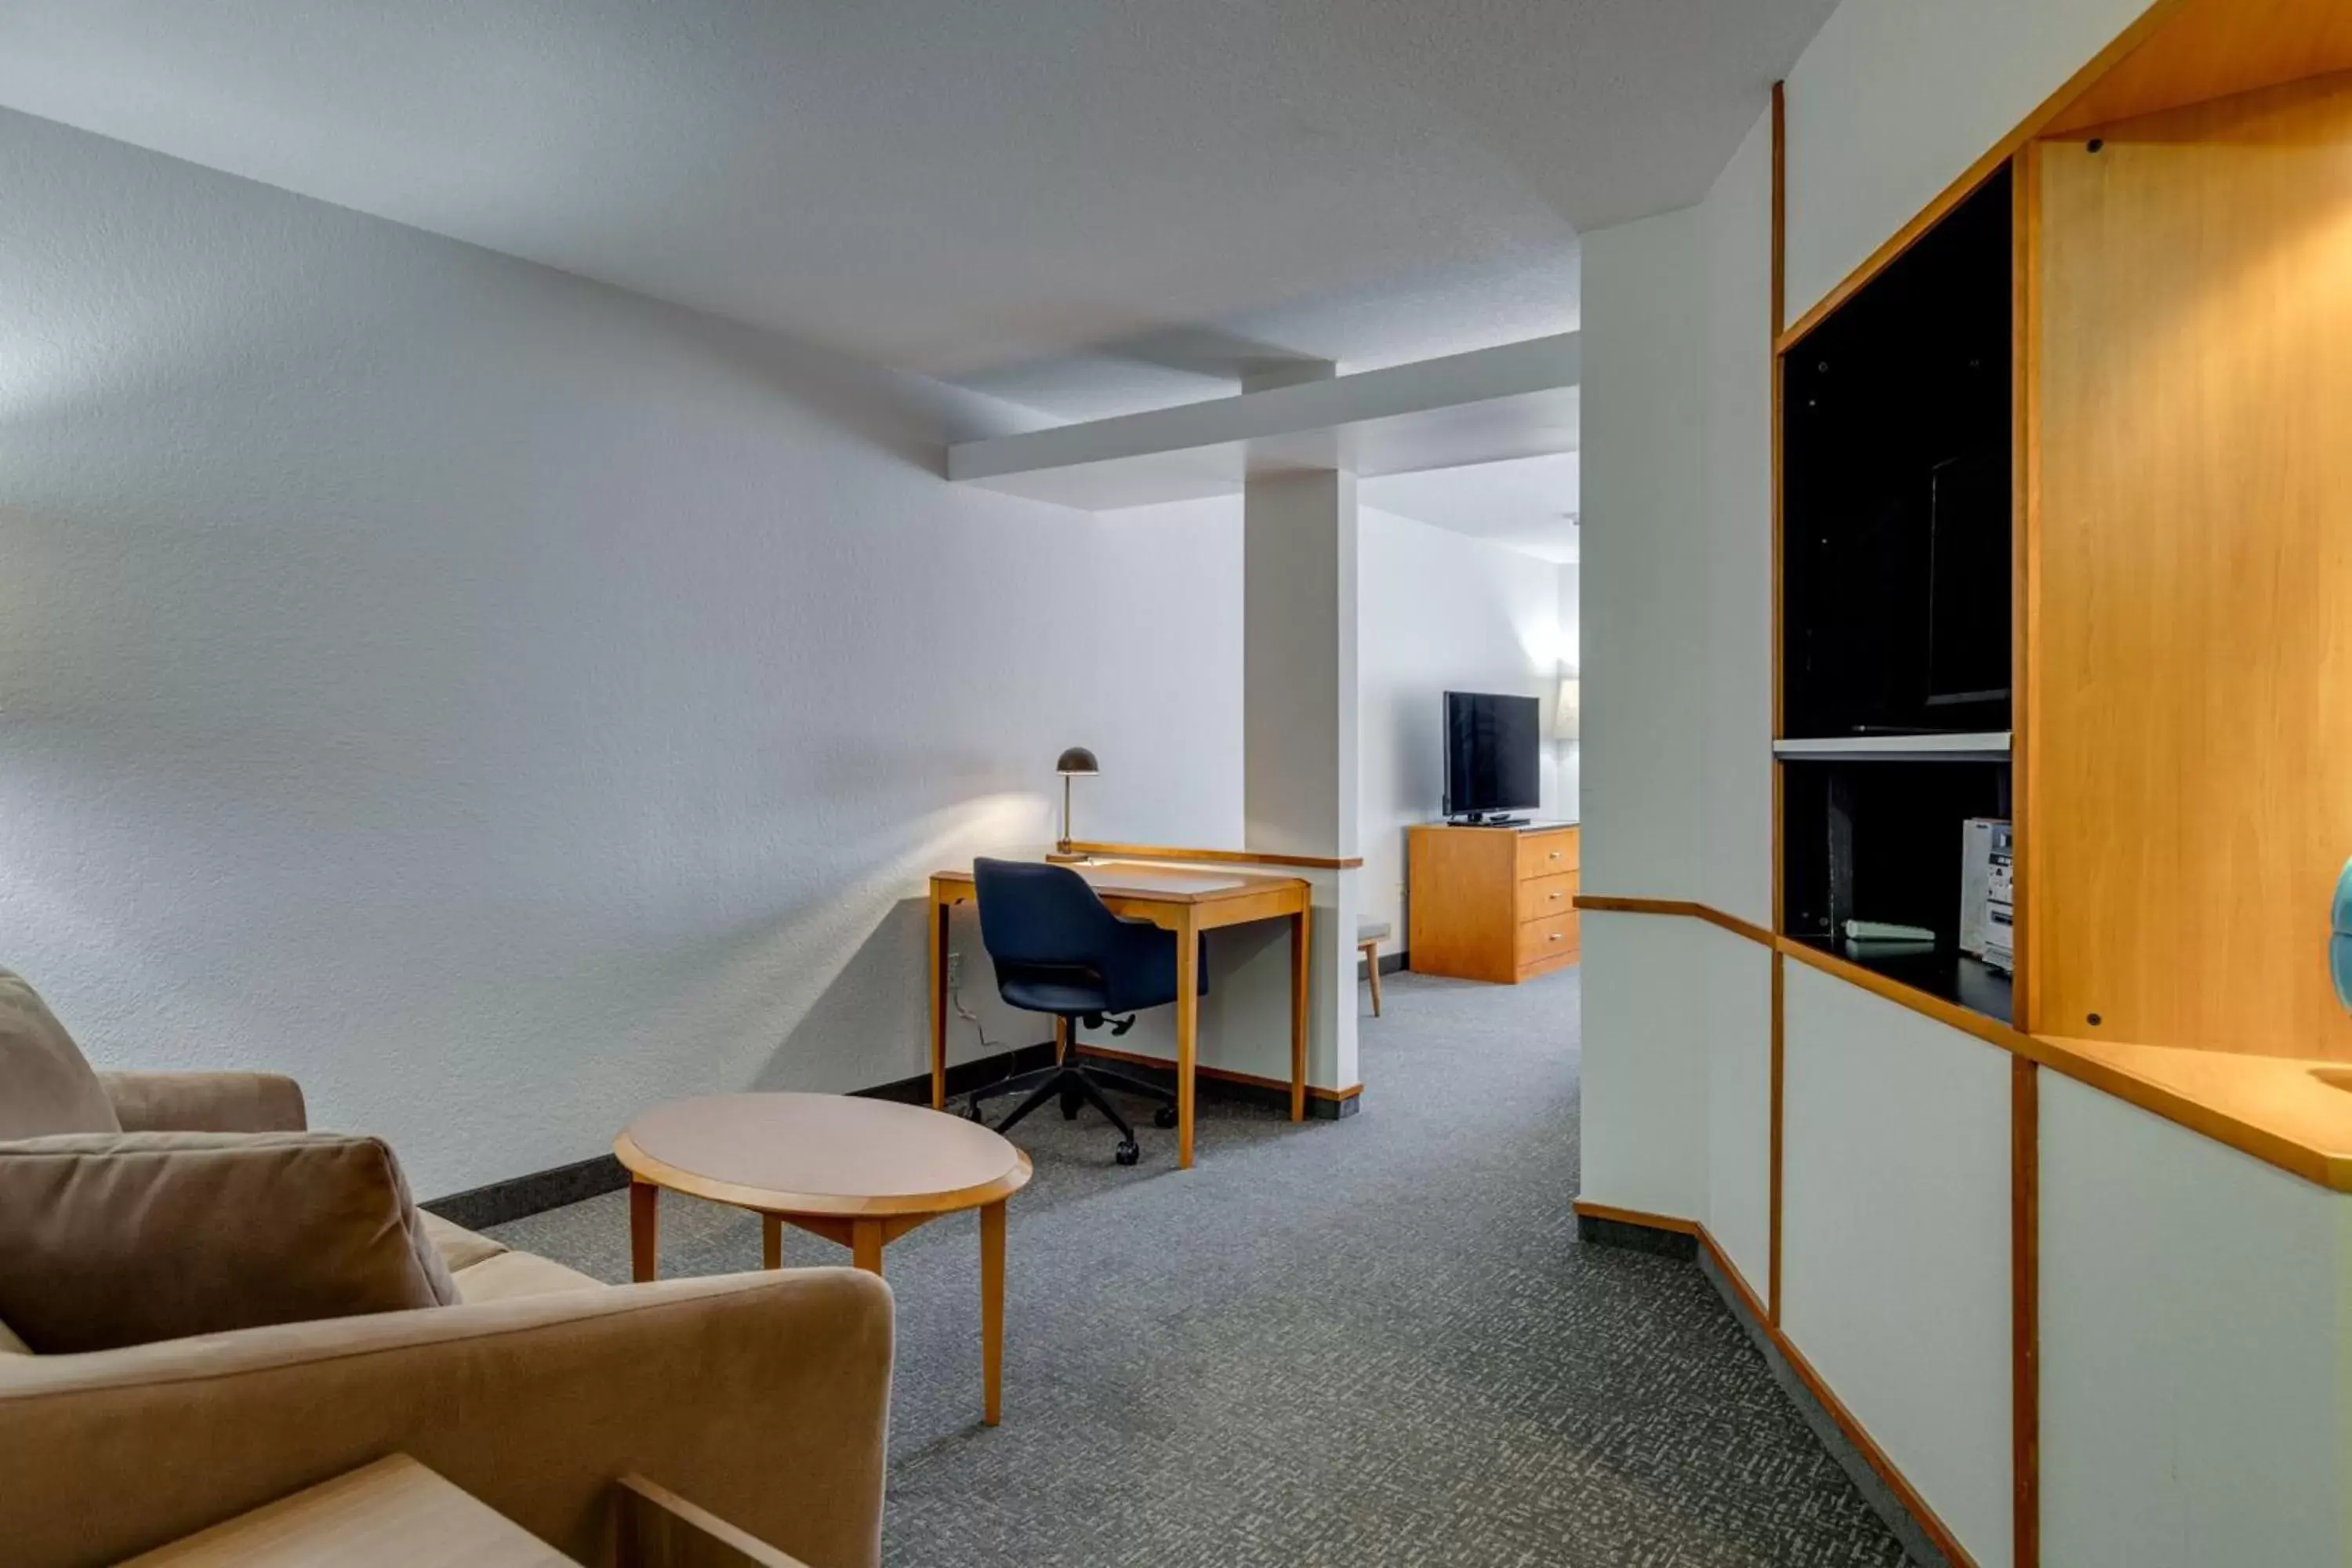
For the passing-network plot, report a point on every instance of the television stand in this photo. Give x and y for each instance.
(1492, 903)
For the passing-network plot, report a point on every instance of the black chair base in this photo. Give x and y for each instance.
(1074, 1085)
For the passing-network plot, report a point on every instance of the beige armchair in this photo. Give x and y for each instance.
(762, 1397)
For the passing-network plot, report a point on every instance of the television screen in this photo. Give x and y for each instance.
(1491, 752)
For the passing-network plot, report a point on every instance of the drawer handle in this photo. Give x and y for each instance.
(1556, 854)
(1553, 937)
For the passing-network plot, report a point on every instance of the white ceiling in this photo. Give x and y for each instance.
(1086, 206)
(1089, 206)
(1527, 503)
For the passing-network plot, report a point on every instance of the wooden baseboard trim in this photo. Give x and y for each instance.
(535, 1191)
(1321, 1103)
(1646, 1220)
(1744, 1301)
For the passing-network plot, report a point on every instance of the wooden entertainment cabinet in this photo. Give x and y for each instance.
(1491, 903)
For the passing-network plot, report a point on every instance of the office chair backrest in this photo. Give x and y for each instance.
(1036, 914)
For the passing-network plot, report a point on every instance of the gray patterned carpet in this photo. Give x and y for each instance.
(1370, 1341)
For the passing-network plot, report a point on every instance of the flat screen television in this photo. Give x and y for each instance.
(1491, 765)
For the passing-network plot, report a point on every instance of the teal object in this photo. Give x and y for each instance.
(2340, 945)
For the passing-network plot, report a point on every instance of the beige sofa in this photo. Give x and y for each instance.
(762, 1397)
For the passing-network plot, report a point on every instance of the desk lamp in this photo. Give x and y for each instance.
(1075, 764)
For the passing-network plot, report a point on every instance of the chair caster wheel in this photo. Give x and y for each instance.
(1164, 1117)
(1070, 1103)
(1129, 1153)
(972, 1112)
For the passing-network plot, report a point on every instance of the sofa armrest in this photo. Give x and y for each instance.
(205, 1101)
(764, 1397)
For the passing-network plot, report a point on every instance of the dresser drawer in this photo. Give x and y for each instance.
(1548, 938)
(1547, 854)
(1541, 896)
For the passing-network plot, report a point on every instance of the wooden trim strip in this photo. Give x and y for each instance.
(1211, 857)
(2025, 1307)
(1635, 1216)
(1930, 1523)
(2048, 111)
(1991, 1031)
(1225, 1075)
(2319, 1166)
(1689, 909)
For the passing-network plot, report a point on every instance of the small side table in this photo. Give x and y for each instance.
(862, 1173)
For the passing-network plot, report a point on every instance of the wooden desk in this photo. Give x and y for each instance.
(1187, 902)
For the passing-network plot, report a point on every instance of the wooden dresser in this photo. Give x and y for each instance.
(1491, 903)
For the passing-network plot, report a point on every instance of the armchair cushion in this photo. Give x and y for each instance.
(45, 1087)
(205, 1101)
(137, 1236)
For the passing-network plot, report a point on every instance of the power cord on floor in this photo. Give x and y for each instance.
(955, 1000)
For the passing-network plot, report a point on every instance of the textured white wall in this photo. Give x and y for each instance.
(504, 702)
(1440, 612)
(1676, 657)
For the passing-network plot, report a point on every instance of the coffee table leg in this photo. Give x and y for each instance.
(772, 1241)
(644, 1230)
(865, 1244)
(991, 1309)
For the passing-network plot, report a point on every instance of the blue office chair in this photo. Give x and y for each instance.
(1057, 950)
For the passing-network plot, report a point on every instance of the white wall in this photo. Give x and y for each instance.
(504, 702)
(2196, 1347)
(1440, 612)
(1676, 660)
(1894, 1235)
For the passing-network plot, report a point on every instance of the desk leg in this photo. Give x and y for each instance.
(644, 1230)
(772, 1241)
(939, 1003)
(991, 1309)
(865, 1244)
(1188, 1030)
(1301, 926)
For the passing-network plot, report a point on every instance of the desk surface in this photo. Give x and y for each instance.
(1168, 884)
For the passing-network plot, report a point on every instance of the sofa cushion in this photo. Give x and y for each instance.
(122, 1239)
(45, 1087)
(513, 1274)
(459, 1249)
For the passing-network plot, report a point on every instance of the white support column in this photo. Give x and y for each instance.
(1299, 673)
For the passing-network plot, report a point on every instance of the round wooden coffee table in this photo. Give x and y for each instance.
(860, 1171)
